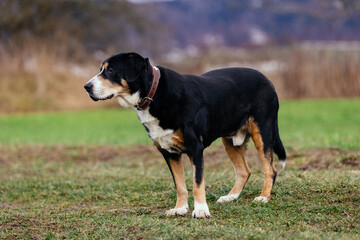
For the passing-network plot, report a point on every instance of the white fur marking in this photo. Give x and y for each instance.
(177, 211)
(201, 210)
(238, 139)
(228, 198)
(282, 162)
(129, 101)
(156, 133)
(261, 199)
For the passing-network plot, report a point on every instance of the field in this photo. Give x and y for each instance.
(95, 175)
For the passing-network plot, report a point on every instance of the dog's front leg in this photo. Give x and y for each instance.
(175, 165)
(201, 209)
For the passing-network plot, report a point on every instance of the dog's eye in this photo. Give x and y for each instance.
(109, 70)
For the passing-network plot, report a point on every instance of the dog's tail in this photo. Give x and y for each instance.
(278, 146)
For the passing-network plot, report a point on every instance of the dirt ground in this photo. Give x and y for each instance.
(328, 158)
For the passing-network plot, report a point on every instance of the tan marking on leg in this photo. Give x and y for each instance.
(157, 144)
(242, 171)
(269, 174)
(266, 160)
(273, 167)
(178, 139)
(199, 190)
(255, 134)
(182, 193)
(181, 206)
(201, 209)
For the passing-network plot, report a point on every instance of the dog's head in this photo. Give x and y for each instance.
(123, 76)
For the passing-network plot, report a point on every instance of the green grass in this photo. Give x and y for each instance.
(109, 126)
(82, 189)
(321, 123)
(303, 124)
(127, 198)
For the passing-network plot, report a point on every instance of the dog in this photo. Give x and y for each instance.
(184, 114)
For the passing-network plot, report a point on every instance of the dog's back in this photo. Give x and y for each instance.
(231, 96)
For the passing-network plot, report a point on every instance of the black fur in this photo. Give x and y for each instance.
(206, 107)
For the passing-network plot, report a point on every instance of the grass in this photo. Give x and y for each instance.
(94, 175)
(303, 124)
(126, 197)
(318, 124)
(110, 126)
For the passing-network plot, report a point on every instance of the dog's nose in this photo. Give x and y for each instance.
(88, 86)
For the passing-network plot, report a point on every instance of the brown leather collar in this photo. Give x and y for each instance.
(145, 102)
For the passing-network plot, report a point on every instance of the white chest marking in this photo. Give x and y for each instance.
(164, 137)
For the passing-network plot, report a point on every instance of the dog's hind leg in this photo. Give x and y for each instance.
(177, 171)
(265, 151)
(242, 171)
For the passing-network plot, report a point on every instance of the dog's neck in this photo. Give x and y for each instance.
(146, 101)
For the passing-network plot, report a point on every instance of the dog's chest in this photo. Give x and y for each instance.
(165, 138)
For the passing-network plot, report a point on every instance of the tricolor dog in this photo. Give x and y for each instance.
(185, 113)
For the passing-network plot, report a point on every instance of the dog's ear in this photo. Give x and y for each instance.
(135, 67)
(131, 70)
(147, 63)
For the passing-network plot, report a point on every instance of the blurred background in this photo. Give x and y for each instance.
(49, 49)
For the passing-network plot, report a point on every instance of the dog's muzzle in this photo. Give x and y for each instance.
(88, 87)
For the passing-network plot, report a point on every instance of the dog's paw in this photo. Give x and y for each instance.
(177, 211)
(201, 214)
(261, 199)
(201, 210)
(228, 198)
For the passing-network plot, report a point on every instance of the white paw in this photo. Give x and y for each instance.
(228, 198)
(201, 210)
(261, 199)
(177, 211)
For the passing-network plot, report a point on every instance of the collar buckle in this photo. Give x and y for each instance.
(147, 99)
